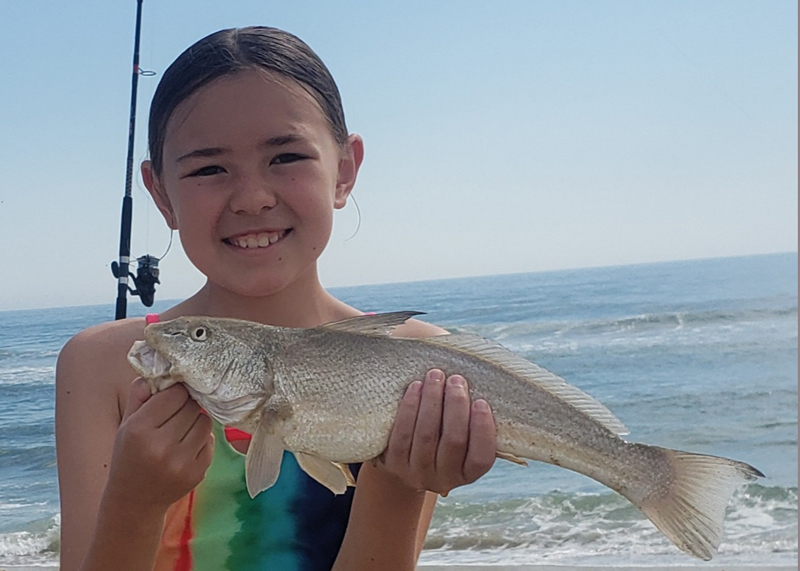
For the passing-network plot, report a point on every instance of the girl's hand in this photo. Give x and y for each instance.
(440, 439)
(162, 449)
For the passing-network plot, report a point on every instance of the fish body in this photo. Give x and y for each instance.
(330, 394)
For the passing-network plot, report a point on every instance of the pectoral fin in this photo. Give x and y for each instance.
(263, 461)
(333, 475)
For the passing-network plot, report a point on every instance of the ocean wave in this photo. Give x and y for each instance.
(570, 527)
(39, 544)
(27, 375)
(672, 320)
(28, 458)
(559, 527)
(27, 353)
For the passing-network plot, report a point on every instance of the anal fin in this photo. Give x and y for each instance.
(333, 475)
(511, 458)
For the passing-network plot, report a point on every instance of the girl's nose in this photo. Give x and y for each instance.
(252, 195)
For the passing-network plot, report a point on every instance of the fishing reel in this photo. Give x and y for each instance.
(145, 279)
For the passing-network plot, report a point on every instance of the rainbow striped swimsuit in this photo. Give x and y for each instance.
(297, 525)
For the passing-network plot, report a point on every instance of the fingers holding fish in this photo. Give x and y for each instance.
(396, 456)
(206, 452)
(138, 394)
(454, 439)
(184, 420)
(199, 430)
(182, 434)
(414, 437)
(435, 443)
(468, 444)
(161, 450)
(482, 449)
(428, 427)
(158, 408)
(199, 440)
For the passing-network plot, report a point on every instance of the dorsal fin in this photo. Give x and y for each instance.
(499, 356)
(378, 324)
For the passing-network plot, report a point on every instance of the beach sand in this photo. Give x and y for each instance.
(697, 567)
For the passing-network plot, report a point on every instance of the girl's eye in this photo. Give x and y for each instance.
(207, 171)
(287, 158)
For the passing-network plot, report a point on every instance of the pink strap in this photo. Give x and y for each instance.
(151, 318)
(234, 434)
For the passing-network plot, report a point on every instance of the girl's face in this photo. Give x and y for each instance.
(251, 176)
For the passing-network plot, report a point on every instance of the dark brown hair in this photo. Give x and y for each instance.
(232, 51)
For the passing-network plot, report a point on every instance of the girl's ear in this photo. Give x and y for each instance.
(159, 194)
(348, 169)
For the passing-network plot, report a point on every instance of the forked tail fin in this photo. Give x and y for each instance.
(690, 507)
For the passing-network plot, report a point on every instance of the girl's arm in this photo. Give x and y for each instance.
(120, 466)
(439, 441)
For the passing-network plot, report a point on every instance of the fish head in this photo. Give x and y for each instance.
(222, 362)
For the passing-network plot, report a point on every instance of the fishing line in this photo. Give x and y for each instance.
(169, 245)
(358, 210)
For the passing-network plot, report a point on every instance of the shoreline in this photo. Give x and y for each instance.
(697, 567)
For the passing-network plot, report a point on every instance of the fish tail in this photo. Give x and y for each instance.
(688, 503)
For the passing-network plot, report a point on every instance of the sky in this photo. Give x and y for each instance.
(509, 137)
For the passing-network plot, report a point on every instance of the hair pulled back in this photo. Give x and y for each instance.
(234, 50)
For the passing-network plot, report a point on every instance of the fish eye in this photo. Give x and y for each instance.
(199, 333)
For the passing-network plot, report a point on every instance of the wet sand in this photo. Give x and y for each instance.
(697, 567)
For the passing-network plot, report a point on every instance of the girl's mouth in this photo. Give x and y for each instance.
(256, 239)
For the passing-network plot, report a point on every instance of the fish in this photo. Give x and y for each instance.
(329, 395)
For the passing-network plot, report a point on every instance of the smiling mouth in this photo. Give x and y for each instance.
(256, 239)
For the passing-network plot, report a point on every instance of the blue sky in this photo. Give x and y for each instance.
(500, 137)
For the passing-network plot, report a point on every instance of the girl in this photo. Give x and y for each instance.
(249, 157)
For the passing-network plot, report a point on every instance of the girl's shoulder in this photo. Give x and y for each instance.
(106, 339)
(96, 359)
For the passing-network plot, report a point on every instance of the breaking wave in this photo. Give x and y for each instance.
(556, 528)
(27, 375)
(571, 528)
(38, 544)
(644, 322)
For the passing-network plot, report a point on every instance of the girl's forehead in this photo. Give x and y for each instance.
(252, 99)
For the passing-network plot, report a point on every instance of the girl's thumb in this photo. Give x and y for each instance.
(137, 396)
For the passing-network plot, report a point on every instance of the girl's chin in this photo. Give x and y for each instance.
(252, 285)
(262, 289)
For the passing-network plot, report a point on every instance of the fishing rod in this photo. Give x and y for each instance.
(147, 271)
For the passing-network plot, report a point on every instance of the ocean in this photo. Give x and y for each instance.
(697, 355)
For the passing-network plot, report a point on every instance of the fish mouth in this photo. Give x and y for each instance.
(151, 365)
(256, 240)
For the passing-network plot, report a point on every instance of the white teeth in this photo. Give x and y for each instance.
(257, 240)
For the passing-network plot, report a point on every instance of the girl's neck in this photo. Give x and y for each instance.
(304, 303)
